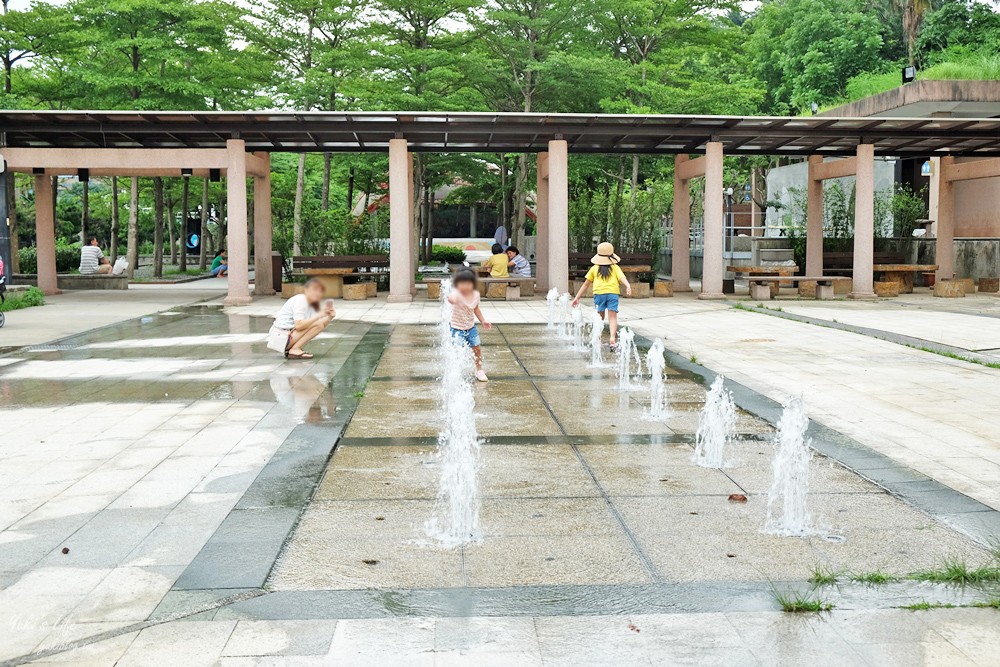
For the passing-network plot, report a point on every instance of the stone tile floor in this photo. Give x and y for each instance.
(132, 445)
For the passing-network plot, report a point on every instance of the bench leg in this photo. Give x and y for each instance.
(760, 291)
(434, 290)
(513, 293)
(824, 292)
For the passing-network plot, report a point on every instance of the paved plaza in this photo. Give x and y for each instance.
(171, 492)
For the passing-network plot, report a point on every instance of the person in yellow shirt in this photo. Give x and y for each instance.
(498, 262)
(606, 277)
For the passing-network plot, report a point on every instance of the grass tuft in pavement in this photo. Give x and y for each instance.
(873, 578)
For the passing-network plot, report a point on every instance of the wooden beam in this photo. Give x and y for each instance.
(691, 169)
(971, 170)
(168, 160)
(835, 169)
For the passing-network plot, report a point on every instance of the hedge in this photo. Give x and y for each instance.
(67, 258)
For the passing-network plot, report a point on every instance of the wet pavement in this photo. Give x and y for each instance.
(220, 506)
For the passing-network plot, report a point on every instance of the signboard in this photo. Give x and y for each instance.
(927, 168)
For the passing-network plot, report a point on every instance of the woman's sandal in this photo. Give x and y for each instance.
(304, 355)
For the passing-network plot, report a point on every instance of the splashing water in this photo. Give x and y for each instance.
(787, 510)
(577, 343)
(657, 387)
(456, 513)
(628, 356)
(551, 298)
(596, 345)
(564, 315)
(716, 424)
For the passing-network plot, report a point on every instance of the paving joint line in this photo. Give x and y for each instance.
(647, 563)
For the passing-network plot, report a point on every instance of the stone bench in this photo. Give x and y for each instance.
(509, 289)
(75, 281)
(760, 286)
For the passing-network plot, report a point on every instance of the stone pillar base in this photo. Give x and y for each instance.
(237, 301)
(713, 296)
(399, 298)
(862, 296)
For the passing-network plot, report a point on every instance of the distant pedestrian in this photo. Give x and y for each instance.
(518, 264)
(606, 277)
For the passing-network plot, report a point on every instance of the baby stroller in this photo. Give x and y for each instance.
(3, 290)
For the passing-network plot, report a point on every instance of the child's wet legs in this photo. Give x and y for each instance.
(613, 325)
(477, 351)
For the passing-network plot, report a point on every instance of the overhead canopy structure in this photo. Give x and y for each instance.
(497, 132)
(172, 143)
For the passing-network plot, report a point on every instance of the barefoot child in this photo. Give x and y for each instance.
(606, 277)
(464, 299)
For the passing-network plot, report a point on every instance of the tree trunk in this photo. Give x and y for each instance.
(133, 228)
(15, 242)
(425, 222)
(85, 212)
(504, 212)
(185, 207)
(171, 227)
(157, 227)
(300, 186)
(429, 240)
(223, 222)
(325, 201)
(115, 220)
(202, 256)
(350, 189)
(520, 201)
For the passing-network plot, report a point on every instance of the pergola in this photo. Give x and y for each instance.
(163, 143)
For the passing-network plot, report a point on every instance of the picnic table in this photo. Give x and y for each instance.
(760, 286)
(783, 270)
(334, 271)
(902, 274)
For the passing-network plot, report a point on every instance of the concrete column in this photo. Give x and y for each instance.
(400, 222)
(713, 262)
(680, 259)
(262, 235)
(236, 222)
(45, 235)
(814, 219)
(558, 215)
(473, 213)
(864, 224)
(944, 246)
(414, 245)
(542, 223)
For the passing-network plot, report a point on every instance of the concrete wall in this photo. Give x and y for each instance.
(977, 206)
(974, 258)
(666, 267)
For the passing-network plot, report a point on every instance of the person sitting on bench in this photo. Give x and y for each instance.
(301, 318)
(518, 264)
(92, 260)
(497, 262)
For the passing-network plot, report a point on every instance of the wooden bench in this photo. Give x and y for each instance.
(842, 263)
(760, 286)
(526, 284)
(334, 271)
(631, 264)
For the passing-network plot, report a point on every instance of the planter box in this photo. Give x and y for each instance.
(371, 289)
(640, 290)
(288, 290)
(968, 284)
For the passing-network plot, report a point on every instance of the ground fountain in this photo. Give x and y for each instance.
(551, 299)
(596, 343)
(564, 314)
(577, 342)
(456, 512)
(656, 363)
(629, 363)
(787, 508)
(716, 425)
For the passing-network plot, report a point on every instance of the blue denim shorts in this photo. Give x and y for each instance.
(606, 302)
(470, 336)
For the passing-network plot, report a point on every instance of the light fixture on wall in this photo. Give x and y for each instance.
(83, 175)
(909, 73)
(215, 175)
(186, 173)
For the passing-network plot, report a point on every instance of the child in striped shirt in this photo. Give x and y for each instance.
(464, 300)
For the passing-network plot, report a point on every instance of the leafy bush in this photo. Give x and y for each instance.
(440, 253)
(26, 299)
(67, 258)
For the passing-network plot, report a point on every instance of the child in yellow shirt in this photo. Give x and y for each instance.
(498, 262)
(606, 277)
